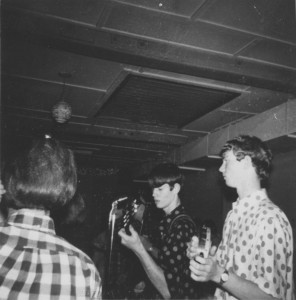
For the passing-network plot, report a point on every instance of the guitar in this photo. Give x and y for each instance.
(139, 215)
(131, 210)
(204, 241)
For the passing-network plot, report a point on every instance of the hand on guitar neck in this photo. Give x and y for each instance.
(133, 213)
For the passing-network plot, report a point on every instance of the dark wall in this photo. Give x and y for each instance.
(201, 195)
(282, 189)
(99, 186)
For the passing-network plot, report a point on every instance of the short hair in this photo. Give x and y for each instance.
(165, 173)
(255, 148)
(43, 177)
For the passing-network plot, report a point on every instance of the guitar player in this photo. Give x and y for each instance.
(169, 272)
(122, 274)
(144, 220)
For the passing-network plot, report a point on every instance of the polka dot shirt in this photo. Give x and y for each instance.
(172, 255)
(257, 245)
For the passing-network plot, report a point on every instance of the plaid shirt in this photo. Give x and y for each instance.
(37, 264)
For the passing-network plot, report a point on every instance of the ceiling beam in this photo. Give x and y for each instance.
(79, 128)
(271, 124)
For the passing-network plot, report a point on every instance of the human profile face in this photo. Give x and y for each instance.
(166, 197)
(232, 169)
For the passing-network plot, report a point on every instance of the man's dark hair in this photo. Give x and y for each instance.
(256, 149)
(165, 173)
(43, 177)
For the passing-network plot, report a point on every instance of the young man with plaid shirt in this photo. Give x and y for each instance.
(35, 263)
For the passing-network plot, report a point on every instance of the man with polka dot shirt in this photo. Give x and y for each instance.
(169, 272)
(255, 257)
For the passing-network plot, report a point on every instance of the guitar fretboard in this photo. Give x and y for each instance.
(204, 241)
(129, 212)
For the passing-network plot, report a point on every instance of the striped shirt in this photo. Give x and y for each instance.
(35, 263)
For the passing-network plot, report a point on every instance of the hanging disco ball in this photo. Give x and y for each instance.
(61, 112)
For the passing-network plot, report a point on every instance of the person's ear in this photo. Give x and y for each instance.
(177, 188)
(248, 161)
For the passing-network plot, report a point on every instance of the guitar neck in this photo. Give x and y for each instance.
(133, 212)
(204, 244)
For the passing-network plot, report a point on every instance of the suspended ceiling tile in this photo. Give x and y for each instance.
(162, 103)
(29, 94)
(83, 101)
(133, 21)
(244, 106)
(256, 101)
(38, 95)
(176, 7)
(215, 120)
(270, 18)
(29, 60)
(272, 52)
(222, 41)
(86, 11)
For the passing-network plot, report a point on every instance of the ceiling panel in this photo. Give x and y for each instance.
(256, 101)
(216, 120)
(162, 103)
(176, 7)
(270, 18)
(272, 52)
(39, 95)
(25, 59)
(178, 31)
(86, 11)
(30, 94)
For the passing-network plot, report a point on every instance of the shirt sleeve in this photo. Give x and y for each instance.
(175, 262)
(275, 263)
(96, 285)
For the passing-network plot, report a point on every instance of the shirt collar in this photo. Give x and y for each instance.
(32, 219)
(252, 199)
(178, 210)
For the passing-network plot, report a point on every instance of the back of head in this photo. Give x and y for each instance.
(43, 177)
(256, 149)
(165, 173)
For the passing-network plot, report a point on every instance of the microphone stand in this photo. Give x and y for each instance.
(111, 230)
